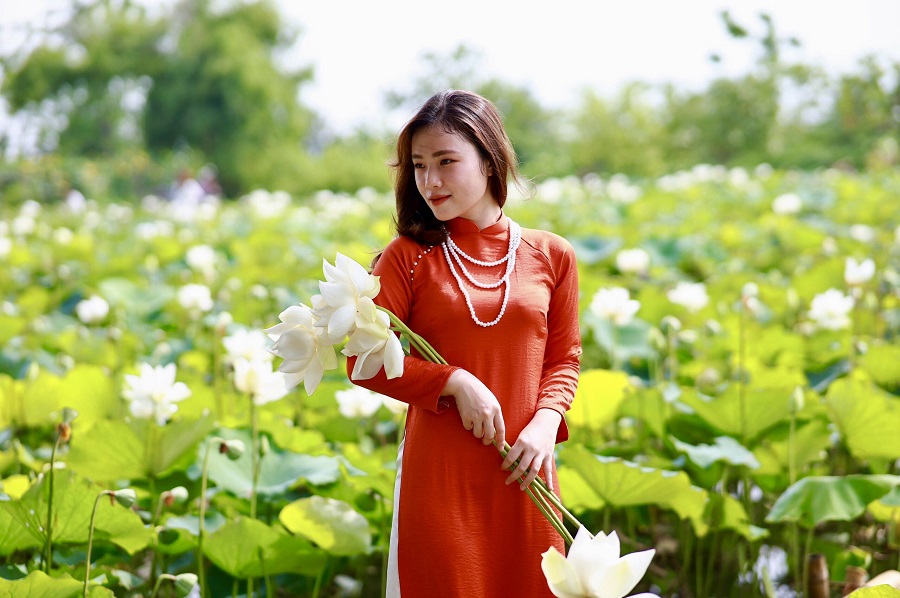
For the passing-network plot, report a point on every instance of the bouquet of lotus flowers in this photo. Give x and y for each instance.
(345, 311)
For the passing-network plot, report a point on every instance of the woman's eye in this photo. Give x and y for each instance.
(446, 161)
(415, 165)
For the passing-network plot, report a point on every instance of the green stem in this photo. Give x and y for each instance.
(234, 588)
(217, 371)
(48, 546)
(201, 569)
(805, 565)
(386, 548)
(320, 578)
(87, 562)
(742, 342)
(159, 582)
(557, 525)
(254, 427)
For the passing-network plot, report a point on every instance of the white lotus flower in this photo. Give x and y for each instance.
(92, 310)
(831, 309)
(594, 569)
(201, 258)
(633, 261)
(257, 379)
(689, 295)
(152, 394)
(358, 402)
(195, 297)
(789, 203)
(615, 305)
(394, 406)
(862, 233)
(250, 345)
(5, 246)
(304, 348)
(346, 283)
(374, 344)
(856, 273)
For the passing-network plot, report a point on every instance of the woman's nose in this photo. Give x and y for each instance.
(432, 180)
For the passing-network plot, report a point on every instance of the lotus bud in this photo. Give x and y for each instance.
(176, 496)
(264, 447)
(233, 449)
(126, 497)
(670, 324)
(750, 290)
(797, 400)
(712, 328)
(69, 415)
(657, 339)
(184, 583)
(64, 431)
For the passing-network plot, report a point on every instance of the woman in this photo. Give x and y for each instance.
(500, 304)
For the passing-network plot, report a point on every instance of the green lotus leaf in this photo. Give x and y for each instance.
(725, 449)
(249, 548)
(38, 584)
(879, 591)
(867, 417)
(648, 406)
(278, 470)
(73, 503)
(815, 499)
(375, 471)
(14, 535)
(883, 364)
(330, 524)
(597, 399)
(759, 410)
(134, 299)
(621, 483)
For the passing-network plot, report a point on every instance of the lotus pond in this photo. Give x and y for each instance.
(738, 407)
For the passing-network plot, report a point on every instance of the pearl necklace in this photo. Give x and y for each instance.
(454, 254)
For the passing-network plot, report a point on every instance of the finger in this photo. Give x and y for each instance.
(532, 473)
(519, 471)
(468, 424)
(489, 432)
(478, 430)
(500, 434)
(511, 457)
(548, 472)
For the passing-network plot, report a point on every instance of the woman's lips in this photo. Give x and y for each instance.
(436, 201)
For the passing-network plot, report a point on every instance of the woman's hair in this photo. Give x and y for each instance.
(476, 120)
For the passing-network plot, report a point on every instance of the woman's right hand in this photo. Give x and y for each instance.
(478, 407)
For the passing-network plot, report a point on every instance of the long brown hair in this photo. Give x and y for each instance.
(476, 120)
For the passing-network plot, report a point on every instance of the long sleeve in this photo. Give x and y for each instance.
(422, 381)
(559, 375)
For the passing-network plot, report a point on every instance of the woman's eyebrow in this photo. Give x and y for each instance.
(436, 154)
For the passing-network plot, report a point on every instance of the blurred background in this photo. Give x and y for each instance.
(116, 98)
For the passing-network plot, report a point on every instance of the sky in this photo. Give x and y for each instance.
(557, 48)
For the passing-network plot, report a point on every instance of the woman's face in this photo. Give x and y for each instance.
(452, 177)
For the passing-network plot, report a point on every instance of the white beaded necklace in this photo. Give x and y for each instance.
(454, 254)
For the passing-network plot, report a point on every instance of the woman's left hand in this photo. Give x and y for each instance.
(534, 449)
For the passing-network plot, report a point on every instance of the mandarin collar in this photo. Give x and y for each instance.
(462, 226)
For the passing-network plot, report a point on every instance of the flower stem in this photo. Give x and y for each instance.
(201, 570)
(87, 562)
(48, 547)
(159, 581)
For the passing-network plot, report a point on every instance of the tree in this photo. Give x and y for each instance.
(195, 78)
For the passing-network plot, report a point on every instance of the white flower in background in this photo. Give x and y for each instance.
(633, 261)
(620, 190)
(5, 246)
(374, 344)
(394, 406)
(346, 283)
(615, 305)
(195, 297)
(829, 246)
(862, 233)
(30, 208)
(92, 310)
(267, 205)
(763, 171)
(152, 394)
(63, 236)
(788, 203)
(358, 402)
(738, 177)
(831, 309)
(691, 295)
(856, 273)
(201, 258)
(750, 298)
(247, 344)
(257, 379)
(304, 348)
(594, 569)
(550, 190)
(23, 225)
